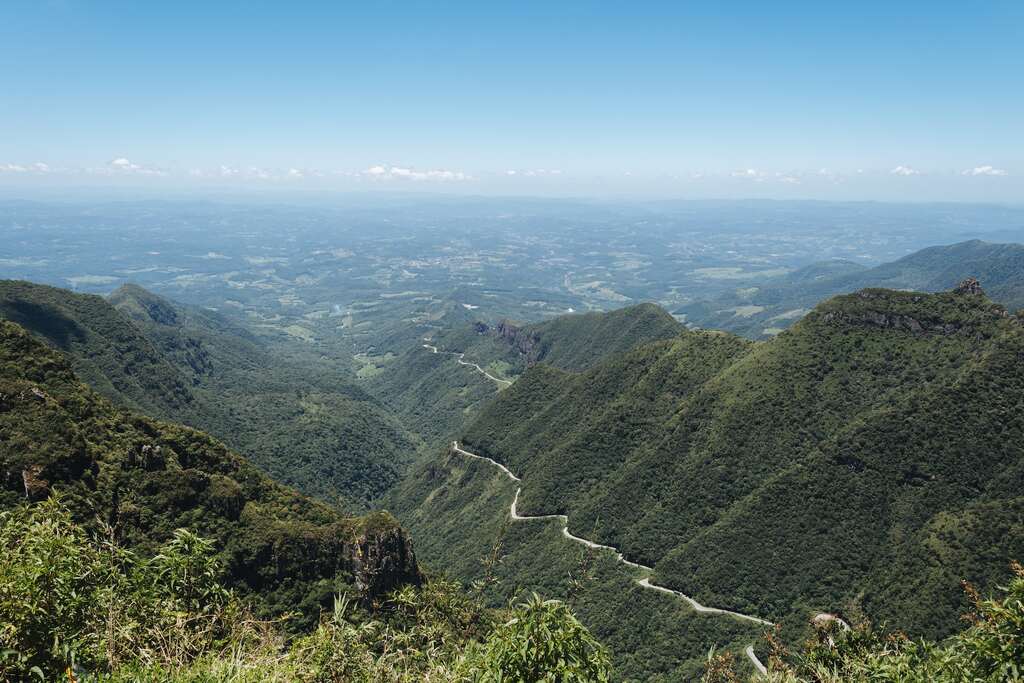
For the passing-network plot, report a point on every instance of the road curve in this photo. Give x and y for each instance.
(756, 662)
(644, 582)
(459, 358)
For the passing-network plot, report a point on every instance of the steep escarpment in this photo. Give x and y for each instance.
(146, 478)
(826, 469)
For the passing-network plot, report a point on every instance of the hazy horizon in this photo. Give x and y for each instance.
(918, 102)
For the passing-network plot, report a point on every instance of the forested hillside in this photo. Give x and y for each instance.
(146, 478)
(436, 396)
(137, 549)
(863, 462)
(303, 420)
(105, 349)
(777, 303)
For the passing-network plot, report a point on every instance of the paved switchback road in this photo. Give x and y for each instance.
(644, 582)
(460, 358)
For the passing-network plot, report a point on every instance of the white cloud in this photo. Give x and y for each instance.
(38, 167)
(904, 171)
(380, 172)
(295, 173)
(787, 178)
(749, 174)
(984, 170)
(533, 172)
(123, 166)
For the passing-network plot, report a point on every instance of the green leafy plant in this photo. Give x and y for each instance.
(542, 641)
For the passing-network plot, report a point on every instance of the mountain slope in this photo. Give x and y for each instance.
(307, 424)
(436, 396)
(831, 468)
(570, 342)
(106, 350)
(147, 478)
(780, 302)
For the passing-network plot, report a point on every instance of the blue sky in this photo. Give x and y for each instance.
(894, 100)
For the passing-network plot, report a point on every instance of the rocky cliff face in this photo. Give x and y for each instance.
(383, 560)
(525, 343)
(969, 286)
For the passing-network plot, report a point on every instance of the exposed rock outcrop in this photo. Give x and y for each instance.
(970, 286)
(524, 343)
(383, 560)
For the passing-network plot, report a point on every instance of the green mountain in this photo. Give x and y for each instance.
(105, 349)
(763, 311)
(569, 342)
(864, 461)
(436, 392)
(146, 478)
(301, 418)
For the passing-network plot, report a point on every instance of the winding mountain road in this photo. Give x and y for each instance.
(460, 356)
(644, 582)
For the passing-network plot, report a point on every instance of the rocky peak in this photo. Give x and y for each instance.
(970, 286)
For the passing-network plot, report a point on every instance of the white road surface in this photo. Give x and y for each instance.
(460, 356)
(644, 582)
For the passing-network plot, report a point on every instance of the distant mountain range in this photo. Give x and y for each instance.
(765, 310)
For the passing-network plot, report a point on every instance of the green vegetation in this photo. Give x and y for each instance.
(105, 349)
(785, 299)
(569, 342)
(543, 641)
(457, 510)
(431, 393)
(144, 479)
(80, 607)
(436, 397)
(864, 461)
(301, 419)
(991, 648)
